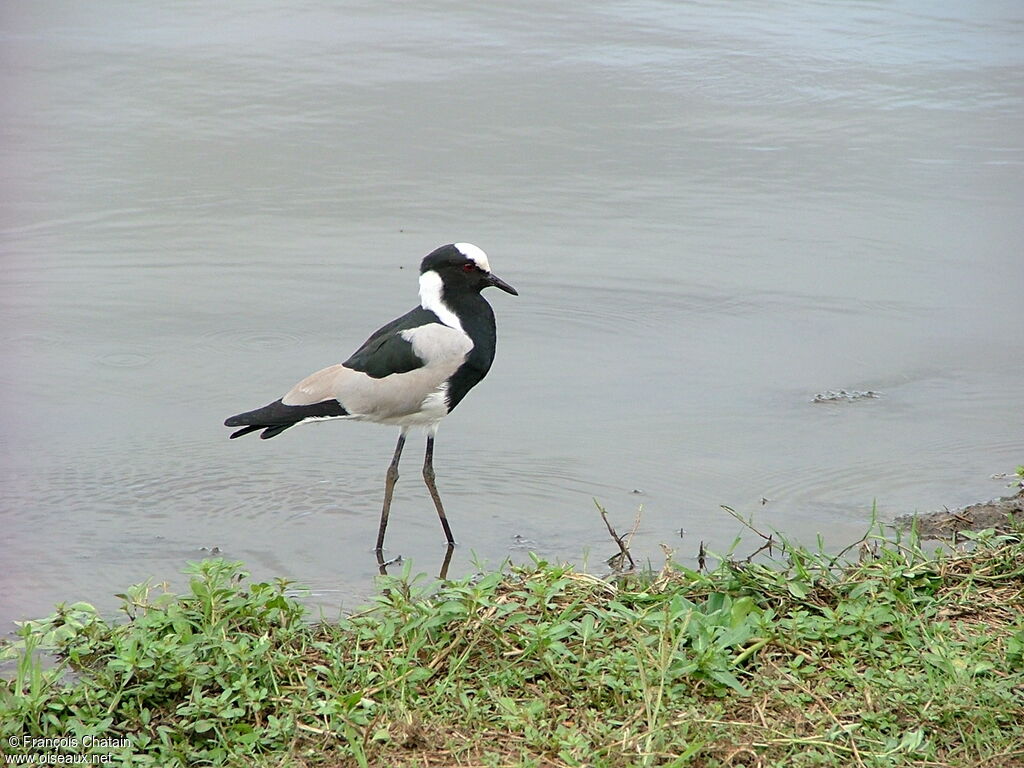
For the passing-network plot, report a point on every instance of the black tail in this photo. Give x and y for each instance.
(275, 418)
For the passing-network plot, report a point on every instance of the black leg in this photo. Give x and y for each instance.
(447, 561)
(428, 478)
(389, 489)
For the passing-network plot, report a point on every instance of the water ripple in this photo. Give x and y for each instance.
(248, 339)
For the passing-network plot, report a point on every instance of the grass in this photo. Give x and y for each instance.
(886, 656)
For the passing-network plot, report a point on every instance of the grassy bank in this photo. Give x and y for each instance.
(887, 657)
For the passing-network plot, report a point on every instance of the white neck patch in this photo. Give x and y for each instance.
(475, 254)
(431, 287)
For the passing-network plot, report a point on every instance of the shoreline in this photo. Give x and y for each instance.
(889, 654)
(1001, 514)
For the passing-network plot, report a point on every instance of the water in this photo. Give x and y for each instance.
(712, 211)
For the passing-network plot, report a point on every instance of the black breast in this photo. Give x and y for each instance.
(477, 320)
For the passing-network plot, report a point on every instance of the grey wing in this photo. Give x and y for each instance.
(440, 351)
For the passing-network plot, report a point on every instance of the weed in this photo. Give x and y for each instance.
(895, 658)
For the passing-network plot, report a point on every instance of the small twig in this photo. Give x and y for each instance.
(747, 523)
(617, 561)
(767, 545)
(770, 541)
(628, 538)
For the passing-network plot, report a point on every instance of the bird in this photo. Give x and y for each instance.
(411, 372)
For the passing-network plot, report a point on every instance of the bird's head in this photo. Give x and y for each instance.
(461, 267)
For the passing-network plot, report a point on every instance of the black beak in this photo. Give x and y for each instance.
(497, 282)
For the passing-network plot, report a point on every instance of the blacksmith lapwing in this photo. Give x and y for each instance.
(410, 373)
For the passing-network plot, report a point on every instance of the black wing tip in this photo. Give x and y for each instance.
(269, 430)
(276, 417)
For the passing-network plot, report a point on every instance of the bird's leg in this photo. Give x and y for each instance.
(428, 478)
(443, 574)
(389, 489)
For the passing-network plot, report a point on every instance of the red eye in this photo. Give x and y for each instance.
(468, 267)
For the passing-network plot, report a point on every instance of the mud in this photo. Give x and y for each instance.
(1003, 514)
